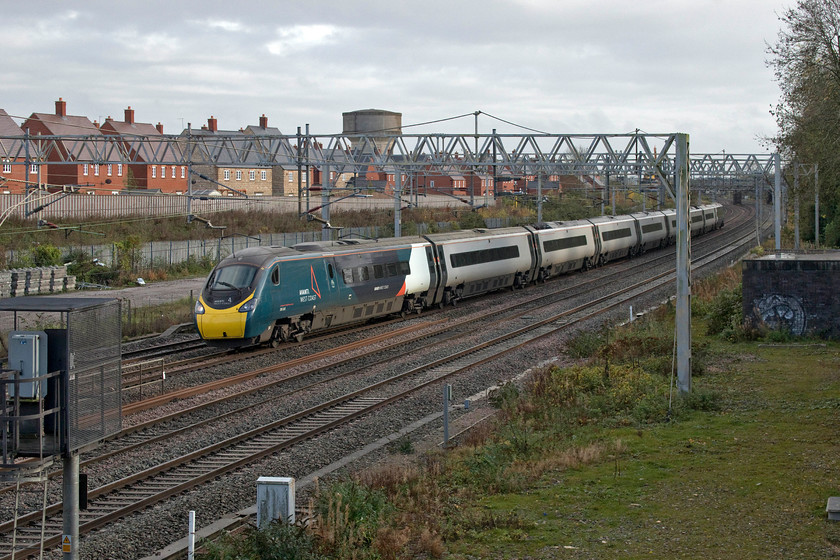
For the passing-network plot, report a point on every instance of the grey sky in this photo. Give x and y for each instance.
(561, 66)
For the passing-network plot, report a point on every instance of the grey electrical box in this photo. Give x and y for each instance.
(275, 499)
(28, 354)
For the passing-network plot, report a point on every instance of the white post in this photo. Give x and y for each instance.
(191, 539)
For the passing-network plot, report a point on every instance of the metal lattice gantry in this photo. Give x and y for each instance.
(511, 154)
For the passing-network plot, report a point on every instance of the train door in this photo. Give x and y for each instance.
(434, 276)
(536, 254)
(436, 256)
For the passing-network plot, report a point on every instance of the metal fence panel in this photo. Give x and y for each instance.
(94, 410)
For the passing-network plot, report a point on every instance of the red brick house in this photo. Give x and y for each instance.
(13, 162)
(171, 179)
(90, 178)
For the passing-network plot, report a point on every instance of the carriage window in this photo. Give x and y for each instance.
(484, 256)
(615, 234)
(650, 228)
(567, 243)
(348, 275)
(275, 275)
(378, 271)
(363, 273)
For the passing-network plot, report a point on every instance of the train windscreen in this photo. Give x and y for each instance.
(234, 277)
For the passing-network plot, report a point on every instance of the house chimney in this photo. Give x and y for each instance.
(96, 124)
(61, 108)
(212, 124)
(263, 121)
(159, 128)
(129, 115)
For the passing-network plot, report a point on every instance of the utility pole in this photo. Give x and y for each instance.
(816, 205)
(683, 266)
(796, 206)
(777, 201)
(398, 202)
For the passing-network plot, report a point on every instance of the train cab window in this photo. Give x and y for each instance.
(234, 277)
(275, 275)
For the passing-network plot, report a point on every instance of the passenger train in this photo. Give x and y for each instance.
(275, 294)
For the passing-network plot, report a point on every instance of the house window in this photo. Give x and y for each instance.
(227, 174)
(252, 175)
(183, 172)
(263, 175)
(431, 184)
(238, 174)
(7, 167)
(84, 169)
(33, 169)
(96, 169)
(154, 172)
(119, 170)
(291, 178)
(173, 171)
(110, 169)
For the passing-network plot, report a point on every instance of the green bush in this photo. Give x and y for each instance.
(46, 255)
(725, 311)
(276, 541)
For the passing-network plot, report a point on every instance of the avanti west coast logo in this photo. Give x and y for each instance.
(313, 292)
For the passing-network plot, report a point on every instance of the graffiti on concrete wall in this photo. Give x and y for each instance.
(780, 312)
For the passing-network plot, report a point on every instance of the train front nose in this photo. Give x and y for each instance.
(216, 324)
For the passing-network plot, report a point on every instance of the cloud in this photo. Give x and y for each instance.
(302, 37)
(224, 25)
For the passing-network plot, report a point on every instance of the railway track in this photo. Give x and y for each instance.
(128, 495)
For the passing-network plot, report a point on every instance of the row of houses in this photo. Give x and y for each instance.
(148, 176)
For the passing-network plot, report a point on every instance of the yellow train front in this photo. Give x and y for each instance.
(276, 294)
(250, 291)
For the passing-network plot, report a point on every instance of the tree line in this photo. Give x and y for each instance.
(806, 61)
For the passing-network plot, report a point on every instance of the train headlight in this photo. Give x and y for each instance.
(247, 306)
(199, 309)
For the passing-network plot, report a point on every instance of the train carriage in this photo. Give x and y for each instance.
(616, 237)
(712, 216)
(564, 247)
(696, 221)
(482, 260)
(652, 230)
